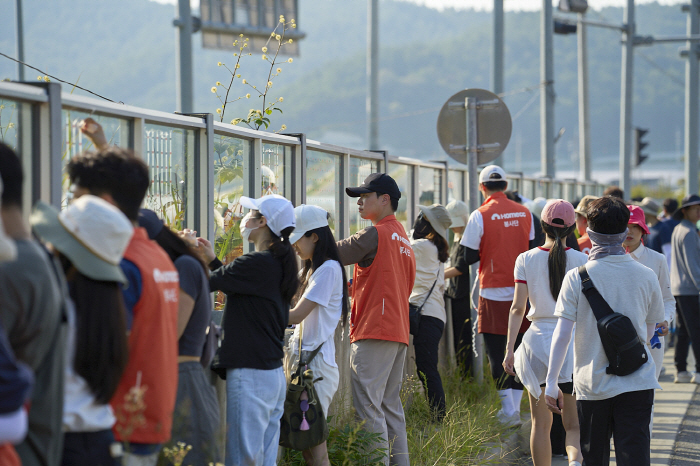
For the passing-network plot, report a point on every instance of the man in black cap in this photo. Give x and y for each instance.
(382, 282)
(685, 285)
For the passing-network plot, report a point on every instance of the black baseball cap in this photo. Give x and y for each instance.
(380, 183)
(687, 201)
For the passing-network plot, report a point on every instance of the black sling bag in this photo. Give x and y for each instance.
(623, 346)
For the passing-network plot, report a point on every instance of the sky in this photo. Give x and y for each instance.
(508, 5)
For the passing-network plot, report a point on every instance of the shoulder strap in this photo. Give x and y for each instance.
(599, 305)
(313, 354)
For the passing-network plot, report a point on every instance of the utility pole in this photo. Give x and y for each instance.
(547, 92)
(20, 41)
(372, 74)
(584, 139)
(626, 98)
(183, 62)
(497, 58)
(691, 101)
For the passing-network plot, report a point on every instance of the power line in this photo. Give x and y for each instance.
(58, 79)
(661, 69)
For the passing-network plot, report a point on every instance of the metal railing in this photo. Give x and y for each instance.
(199, 167)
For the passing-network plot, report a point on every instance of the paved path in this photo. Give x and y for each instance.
(676, 422)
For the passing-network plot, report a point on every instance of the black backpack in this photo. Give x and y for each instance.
(623, 346)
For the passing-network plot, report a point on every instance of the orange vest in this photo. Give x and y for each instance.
(506, 235)
(584, 244)
(380, 292)
(152, 348)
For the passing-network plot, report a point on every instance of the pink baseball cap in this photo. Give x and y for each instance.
(637, 217)
(559, 213)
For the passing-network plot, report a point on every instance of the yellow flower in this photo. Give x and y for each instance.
(292, 21)
(237, 66)
(39, 78)
(219, 64)
(290, 60)
(247, 96)
(245, 82)
(1, 107)
(245, 45)
(235, 54)
(282, 18)
(269, 84)
(283, 127)
(246, 39)
(279, 70)
(46, 78)
(264, 49)
(10, 125)
(273, 34)
(218, 110)
(281, 99)
(240, 35)
(294, 25)
(264, 57)
(213, 90)
(278, 37)
(290, 41)
(218, 83)
(238, 75)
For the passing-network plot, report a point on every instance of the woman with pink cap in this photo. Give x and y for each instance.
(634, 245)
(539, 273)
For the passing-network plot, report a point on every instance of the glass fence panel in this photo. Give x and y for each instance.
(168, 153)
(16, 131)
(556, 191)
(528, 189)
(429, 186)
(10, 122)
(116, 131)
(514, 184)
(230, 160)
(403, 176)
(359, 170)
(323, 184)
(275, 157)
(455, 185)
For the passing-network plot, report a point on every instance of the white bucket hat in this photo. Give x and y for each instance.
(307, 217)
(459, 211)
(278, 211)
(438, 218)
(8, 249)
(91, 233)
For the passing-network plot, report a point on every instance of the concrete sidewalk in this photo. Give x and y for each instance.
(674, 442)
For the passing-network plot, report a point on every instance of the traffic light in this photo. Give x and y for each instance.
(561, 27)
(573, 6)
(639, 146)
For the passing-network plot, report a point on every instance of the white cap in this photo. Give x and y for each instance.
(492, 173)
(308, 217)
(459, 212)
(278, 211)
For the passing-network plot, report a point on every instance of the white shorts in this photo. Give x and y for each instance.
(326, 388)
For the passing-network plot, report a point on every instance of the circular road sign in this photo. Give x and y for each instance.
(494, 125)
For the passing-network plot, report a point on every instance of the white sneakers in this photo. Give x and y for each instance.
(683, 377)
(696, 378)
(512, 420)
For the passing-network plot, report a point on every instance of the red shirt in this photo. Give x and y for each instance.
(506, 235)
(153, 350)
(584, 244)
(380, 292)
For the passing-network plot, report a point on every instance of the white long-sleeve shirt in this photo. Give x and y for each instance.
(657, 262)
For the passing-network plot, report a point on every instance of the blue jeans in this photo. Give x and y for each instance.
(254, 407)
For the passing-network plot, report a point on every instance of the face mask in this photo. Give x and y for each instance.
(245, 231)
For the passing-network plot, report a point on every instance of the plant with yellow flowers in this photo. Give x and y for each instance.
(256, 117)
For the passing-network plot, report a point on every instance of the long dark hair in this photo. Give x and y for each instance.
(325, 249)
(175, 247)
(423, 229)
(101, 342)
(556, 262)
(283, 251)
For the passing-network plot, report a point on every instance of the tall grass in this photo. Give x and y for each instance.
(465, 437)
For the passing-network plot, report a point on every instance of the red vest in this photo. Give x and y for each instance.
(506, 235)
(380, 292)
(152, 347)
(584, 244)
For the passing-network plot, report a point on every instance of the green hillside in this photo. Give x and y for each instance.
(125, 51)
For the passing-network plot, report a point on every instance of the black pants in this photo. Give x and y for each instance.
(496, 351)
(426, 344)
(462, 332)
(88, 448)
(626, 418)
(688, 330)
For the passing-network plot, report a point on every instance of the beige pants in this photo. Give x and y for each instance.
(376, 369)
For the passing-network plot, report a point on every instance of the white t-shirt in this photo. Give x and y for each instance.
(472, 239)
(531, 268)
(428, 270)
(630, 289)
(325, 288)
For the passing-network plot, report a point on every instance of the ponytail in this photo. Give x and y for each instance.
(283, 251)
(556, 261)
